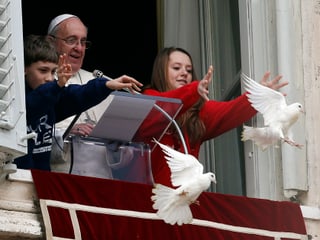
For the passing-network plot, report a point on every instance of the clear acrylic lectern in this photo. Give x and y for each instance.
(129, 122)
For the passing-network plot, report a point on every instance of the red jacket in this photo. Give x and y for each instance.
(218, 117)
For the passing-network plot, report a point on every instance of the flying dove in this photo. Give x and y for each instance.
(278, 116)
(173, 204)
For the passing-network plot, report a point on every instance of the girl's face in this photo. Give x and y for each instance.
(39, 73)
(179, 70)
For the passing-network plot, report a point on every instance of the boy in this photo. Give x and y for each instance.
(49, 101)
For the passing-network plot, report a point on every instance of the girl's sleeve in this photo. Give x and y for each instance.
(188, 94)
(220, 117)
(156, 121)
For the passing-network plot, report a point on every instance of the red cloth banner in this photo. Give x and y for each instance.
(77, 207)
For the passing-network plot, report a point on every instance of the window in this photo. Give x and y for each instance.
(12, 100)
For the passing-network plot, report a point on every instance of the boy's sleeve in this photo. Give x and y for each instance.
(78, 98)
(44, 97)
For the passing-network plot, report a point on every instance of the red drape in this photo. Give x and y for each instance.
(136, 218)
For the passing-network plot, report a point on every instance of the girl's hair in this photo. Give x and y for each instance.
(39, 48)
(190, 120)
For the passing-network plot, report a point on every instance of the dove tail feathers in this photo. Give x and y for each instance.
(260, 136)
(166, 202)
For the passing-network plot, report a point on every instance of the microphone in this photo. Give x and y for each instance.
(99, 74)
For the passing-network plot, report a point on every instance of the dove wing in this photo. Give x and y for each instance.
(270, 103)
(183, 167)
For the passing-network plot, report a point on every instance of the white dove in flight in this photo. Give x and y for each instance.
(278, 116)
(173, 204)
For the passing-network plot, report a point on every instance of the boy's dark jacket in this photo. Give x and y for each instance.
(49, 104)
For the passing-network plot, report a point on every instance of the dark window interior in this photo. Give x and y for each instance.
(124, 33)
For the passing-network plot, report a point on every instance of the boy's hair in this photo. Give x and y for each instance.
(39, 48)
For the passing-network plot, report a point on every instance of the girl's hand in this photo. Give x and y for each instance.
(204, 84)
(274, 83)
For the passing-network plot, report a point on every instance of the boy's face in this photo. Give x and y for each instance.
(39, 73)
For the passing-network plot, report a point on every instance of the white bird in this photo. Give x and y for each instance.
(173, 204)
(278, 116)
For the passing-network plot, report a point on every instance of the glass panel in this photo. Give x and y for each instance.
(228, 148)
(126, 161)
(132, 117)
